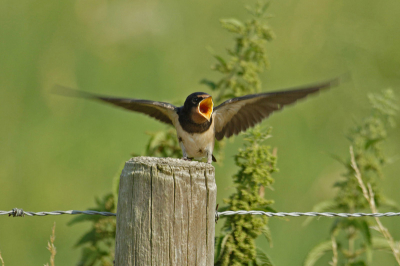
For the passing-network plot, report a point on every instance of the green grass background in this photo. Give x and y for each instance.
(58, 153)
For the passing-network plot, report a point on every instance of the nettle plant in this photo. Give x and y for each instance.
(239, 76)
(236, 245)
(351, 239)
(247, 59)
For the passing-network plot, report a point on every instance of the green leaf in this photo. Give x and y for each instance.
(84, 218)
(368, 253)
(209, 83)
(221, 61)
(386, 202)
(317, 252)
(358, 263)
(340, 184)
(371, 142)
(222, 246)
(218, 246)
(232, 25)
(335, 226)
(223, 208)
(89, 237)
(380, 243)
(363, 226)
(337, 158)
(267, 208)
(89, 257)
(266, 231)
(265, 6)
(115, 184)
(250, 9)
(262, 258)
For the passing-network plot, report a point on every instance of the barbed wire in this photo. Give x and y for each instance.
(20, 213)
(298, 214)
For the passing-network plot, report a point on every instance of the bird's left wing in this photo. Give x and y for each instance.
(238, 114)
(161, 111)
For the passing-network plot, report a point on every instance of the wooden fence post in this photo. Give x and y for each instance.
(166, 213)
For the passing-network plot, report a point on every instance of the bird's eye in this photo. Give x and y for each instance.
(195, 100)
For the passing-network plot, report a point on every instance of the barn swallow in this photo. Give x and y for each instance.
(198, 123)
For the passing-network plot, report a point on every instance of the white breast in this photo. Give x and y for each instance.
(196, 145)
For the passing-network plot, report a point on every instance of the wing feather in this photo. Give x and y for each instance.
(238, 114)
(161, 111)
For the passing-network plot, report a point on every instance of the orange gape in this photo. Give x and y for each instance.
(206, 108)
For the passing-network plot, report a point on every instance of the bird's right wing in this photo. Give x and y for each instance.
(238, 114)
(161, 111)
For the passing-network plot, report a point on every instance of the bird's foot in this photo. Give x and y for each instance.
(187, 158)
(211, 159)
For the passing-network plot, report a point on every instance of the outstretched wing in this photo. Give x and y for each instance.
(238, 114)
(161, 111)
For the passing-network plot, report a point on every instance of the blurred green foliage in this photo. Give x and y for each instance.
(98, 244)
(164, 144)
(353, 236)
(58, 153)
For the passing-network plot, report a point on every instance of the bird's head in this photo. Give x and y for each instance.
(200, 106)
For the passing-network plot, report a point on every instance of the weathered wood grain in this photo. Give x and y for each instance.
(166, 213)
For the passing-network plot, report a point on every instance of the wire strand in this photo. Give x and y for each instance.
(21, 213)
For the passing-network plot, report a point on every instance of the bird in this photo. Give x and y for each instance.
(198, 123)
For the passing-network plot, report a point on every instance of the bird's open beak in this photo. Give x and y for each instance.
(205, 108)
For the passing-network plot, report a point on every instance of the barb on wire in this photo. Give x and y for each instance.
(21, 213)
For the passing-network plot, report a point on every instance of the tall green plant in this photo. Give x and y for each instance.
(236, 245)
(240, 76)
(351, 238)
